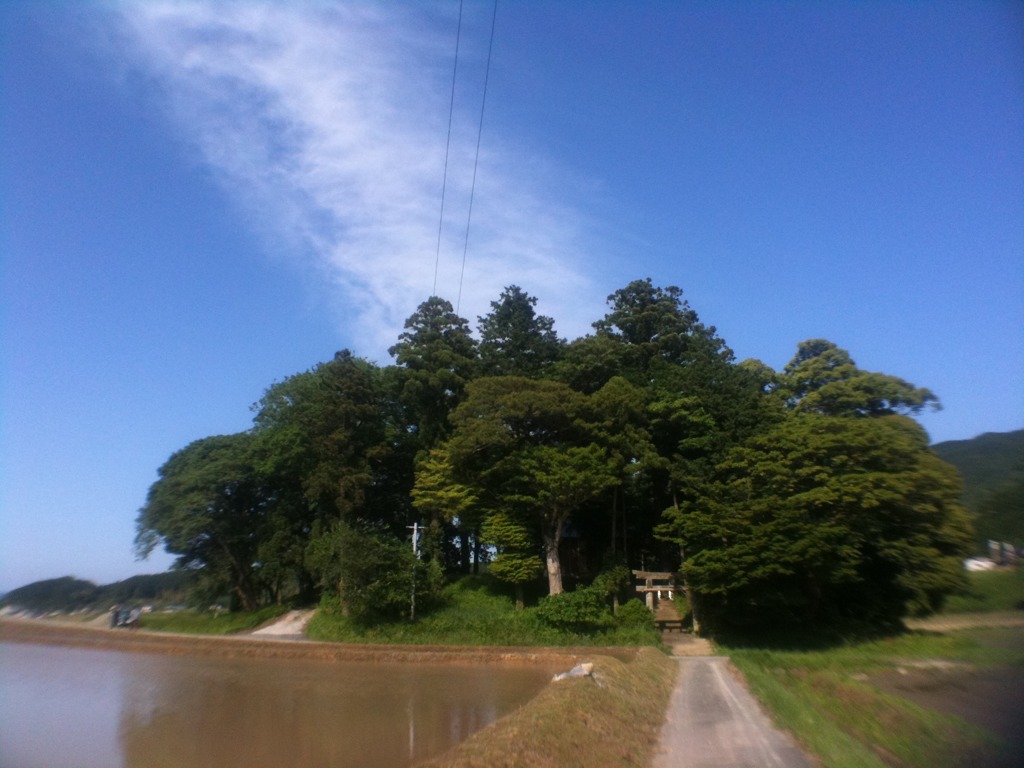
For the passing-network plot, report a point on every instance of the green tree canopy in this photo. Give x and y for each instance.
(438, 357)
(208, 508)
(657, 323)
(514, 340)
(822, 378)
(529, 448)
(329, 430)
(825, 517)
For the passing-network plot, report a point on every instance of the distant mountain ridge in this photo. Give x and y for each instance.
(992, 467)
(70, 594)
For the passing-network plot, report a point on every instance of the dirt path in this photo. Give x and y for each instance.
(290, 626)
(950, 622)
(713, 720)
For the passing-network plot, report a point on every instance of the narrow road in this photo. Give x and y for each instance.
(713, 720)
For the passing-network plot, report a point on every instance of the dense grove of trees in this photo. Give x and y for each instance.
(805, 495)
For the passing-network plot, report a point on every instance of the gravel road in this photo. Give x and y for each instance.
(713, 720)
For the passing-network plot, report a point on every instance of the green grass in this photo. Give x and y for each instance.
(822, 696)
(1001, 590)
(474, 611)
(206, 623)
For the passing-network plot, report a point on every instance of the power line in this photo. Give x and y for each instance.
(476, 161)
(447, 149)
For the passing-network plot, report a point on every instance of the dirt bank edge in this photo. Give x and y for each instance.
(610, 719)
(247, 646)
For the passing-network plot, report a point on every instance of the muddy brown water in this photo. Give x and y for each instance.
(88, 707)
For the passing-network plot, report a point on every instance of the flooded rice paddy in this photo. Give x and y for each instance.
(87, 707)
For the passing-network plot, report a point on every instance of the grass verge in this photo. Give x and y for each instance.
(1001, 590)
(824, 698)
(611, 719)
(473, 612)
(205, 623)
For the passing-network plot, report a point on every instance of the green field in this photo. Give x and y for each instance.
(834, 700)
(1000, 590)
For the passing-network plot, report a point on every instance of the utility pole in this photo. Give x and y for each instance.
(415, 551)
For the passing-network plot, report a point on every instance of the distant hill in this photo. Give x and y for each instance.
(70, 594)
(992, 466)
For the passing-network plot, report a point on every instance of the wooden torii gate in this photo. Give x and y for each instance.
(666, 617)
(655, 582)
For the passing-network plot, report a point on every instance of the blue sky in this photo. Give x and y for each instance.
(199, 199)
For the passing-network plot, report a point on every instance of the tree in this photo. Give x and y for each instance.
(529, 448)
(822, 378)
(698, 401)
(448, 503)
(518, 561)
(622, 418)
(825, 518)
(657, 323)
(208, 508)
(325, 429)
(378, 571)
(329, 441)
(590, 362)
(514, 340)
(438, 356)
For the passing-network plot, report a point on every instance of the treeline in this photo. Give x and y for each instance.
(803, 495)
(992, 467)
(68, 594)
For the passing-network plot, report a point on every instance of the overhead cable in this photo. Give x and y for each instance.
(447, 149)
(476, 161)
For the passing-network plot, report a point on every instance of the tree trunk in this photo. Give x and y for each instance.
(342, 601)
(615, 519)
(692, 602)
(552, 561)
(477, 548)
(243, 588)
(247, 600)
(464, 565)
(520, 601)
(691, 599)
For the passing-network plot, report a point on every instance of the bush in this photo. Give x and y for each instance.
(376, 572)
(635, 614)
(580, 611)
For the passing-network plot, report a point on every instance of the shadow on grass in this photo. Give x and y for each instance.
(805, 637)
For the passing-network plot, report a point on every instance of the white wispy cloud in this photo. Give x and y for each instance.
(328, 122)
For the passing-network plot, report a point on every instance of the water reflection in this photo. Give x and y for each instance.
(66, 706)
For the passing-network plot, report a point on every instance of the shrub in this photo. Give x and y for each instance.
(580, 611)
(635, 614)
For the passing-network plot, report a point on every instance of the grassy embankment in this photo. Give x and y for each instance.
(611, 719)
(476, 612)
(989, 591)
(207, 623)
(825, 696)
